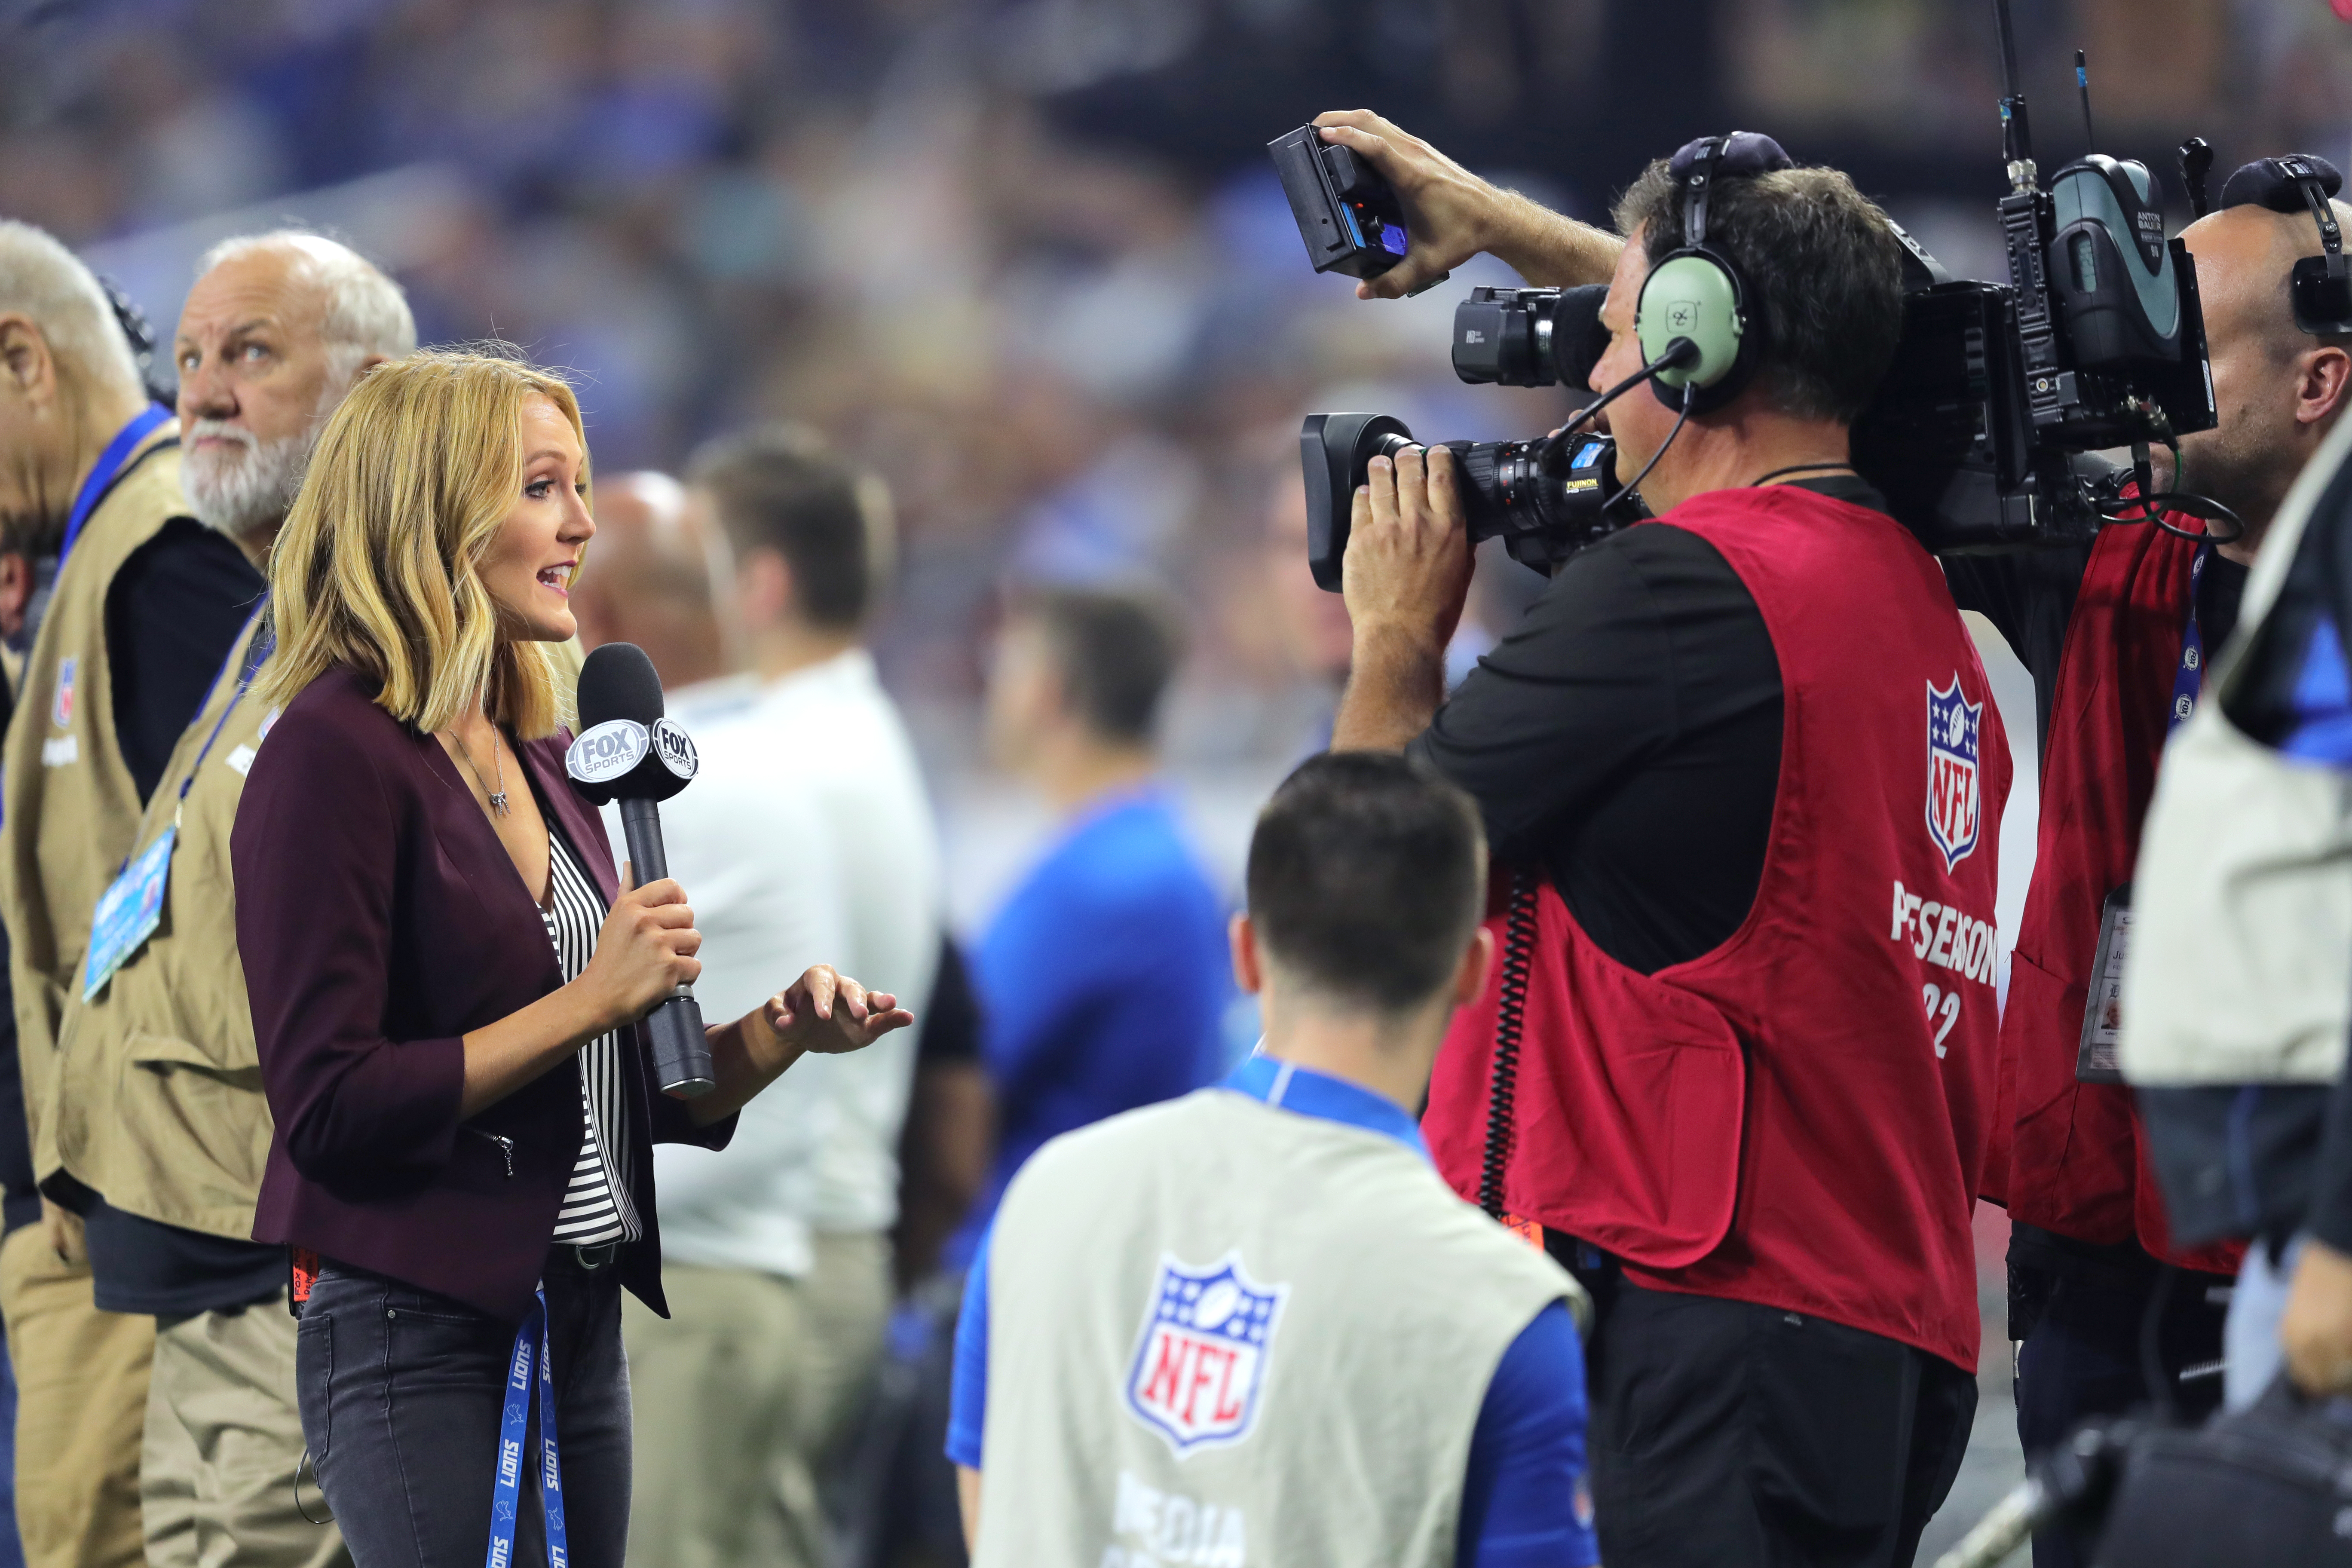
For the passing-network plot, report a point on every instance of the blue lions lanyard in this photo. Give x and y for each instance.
(531, 1341)
(131, 908)
(2188, 681)
(256, 654)
(110, 465)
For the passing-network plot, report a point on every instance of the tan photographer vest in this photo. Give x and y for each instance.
(1123, 1428)
(68, 806)
(157, 1101)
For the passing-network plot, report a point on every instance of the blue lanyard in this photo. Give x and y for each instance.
(2188, 681)
(256, 654)
(507, 1500)
(110, 465)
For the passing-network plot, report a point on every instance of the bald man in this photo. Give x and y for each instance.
(2114, 635)
(651, 578)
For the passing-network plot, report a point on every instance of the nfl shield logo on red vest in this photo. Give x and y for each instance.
(1955, 804)
(1208, 1340)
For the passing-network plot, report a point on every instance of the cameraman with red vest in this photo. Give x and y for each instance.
(2115, 635)
(1743, 776)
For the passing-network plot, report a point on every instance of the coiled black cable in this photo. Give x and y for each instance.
(1510, 1024)
(2112, 506)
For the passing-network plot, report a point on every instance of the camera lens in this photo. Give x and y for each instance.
(1545, 505)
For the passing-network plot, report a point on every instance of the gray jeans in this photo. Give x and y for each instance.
(400, 1392)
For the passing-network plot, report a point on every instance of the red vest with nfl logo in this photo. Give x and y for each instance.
(2070, 1157)
(1797, 1118)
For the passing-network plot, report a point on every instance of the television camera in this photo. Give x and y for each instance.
(1980, 436)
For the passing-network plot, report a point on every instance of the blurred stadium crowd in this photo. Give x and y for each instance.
(1021, 254)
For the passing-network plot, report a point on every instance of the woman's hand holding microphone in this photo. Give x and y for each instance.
(644, 950)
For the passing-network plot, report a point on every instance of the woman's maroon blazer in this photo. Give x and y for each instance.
(380, 919)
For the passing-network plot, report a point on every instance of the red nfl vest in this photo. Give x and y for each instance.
(2070, 1157)
(1797, 1118)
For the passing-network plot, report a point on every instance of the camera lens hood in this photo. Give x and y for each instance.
(1334, 450)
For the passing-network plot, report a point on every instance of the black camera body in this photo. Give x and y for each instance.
(1530, 337)
(1997, 391)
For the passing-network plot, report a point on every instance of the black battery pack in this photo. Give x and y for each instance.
(1348, 214)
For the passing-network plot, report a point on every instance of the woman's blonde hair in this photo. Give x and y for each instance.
(375, 569)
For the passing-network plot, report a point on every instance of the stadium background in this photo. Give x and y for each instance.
(1025, 257)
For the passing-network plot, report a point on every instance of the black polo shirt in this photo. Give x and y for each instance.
(1625, 737)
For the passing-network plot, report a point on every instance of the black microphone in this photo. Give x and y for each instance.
(626, 750)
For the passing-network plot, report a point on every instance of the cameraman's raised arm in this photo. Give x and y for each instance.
(1452, 214)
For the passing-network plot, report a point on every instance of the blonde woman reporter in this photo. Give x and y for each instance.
(445, 984)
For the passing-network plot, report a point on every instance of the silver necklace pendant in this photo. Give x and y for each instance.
(499, 802)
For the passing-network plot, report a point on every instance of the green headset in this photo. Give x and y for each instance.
(1696, 292)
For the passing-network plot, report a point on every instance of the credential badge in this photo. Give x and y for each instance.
(1207, 1341)
(1955, 803)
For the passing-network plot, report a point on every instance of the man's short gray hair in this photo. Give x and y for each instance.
(366, 312)
(40, 278)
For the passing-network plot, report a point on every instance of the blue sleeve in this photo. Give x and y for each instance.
(968, 1393)
(2322, 700)
(1527, 1501)
(1031, 977)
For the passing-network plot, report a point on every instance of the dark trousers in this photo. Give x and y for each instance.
(402, 1390)
(2081, 1358)
(1727, 1434)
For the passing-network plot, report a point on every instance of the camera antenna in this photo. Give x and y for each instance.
(2082, 81)
(2196, 160)
(2016, 135)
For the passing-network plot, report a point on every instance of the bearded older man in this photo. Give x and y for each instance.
(145, 1108)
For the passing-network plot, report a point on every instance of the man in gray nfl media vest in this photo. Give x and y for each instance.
(1252, 1326)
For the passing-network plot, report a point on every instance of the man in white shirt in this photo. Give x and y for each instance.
(806, 831)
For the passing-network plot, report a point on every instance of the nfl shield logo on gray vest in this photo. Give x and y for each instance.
(1954, 800)
(1207, 1341)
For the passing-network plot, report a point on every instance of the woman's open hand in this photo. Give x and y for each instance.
(646, 951)
(830, 1013)
(822, 1011)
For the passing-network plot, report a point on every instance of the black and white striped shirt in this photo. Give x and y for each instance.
(596, 1206)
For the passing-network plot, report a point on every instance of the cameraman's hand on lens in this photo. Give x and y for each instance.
(829, 1013)
(1451, 215)
(1407, 569)
(2315, 1330)
(646, 951)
